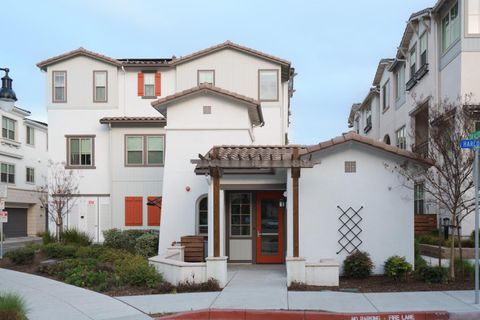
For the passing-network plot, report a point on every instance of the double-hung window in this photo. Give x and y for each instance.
(149, 84)
(9, 128)
(450, 27)
(81, 151)
(202, 216)
(423, 49)
(268, 85)
(59, 86)
(400, 82)
(413, 61)
(7, 173)
(206, 76)
(30, 175)
(368, 118)
(144, 150)
(419, 198)
(30, 136)
(401, 138)
(100, 86)
(386, 95)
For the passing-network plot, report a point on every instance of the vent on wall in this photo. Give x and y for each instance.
(350, 166)
(207, 109)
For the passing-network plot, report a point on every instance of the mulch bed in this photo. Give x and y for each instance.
(382, 283)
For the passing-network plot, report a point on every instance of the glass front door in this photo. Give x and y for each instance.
(269, 237)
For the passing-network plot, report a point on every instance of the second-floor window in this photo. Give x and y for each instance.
(268, 85)
(59, 86)
(413, 61)
(80, 151)
(401, 138)
(386, 95)
(30, 140)
(100, 86)
(149, 84)
(419, 198)
(7, 173)
(206, 76)
(30, 175)
(144, 150)
(450, 27)
(423, 49)
(368, 118)
(400, 82)
(8, 128)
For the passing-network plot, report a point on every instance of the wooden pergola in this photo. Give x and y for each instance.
(224, 160)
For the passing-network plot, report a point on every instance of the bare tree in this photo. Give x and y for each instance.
(58, 194)
(449, 181)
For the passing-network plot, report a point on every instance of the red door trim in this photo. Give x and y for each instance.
(279, 258)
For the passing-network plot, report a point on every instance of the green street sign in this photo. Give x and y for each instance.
(474, 135)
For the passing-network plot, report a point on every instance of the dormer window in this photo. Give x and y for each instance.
(59, 79)
(206, 76)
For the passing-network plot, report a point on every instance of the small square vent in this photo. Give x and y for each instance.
(350, 166)
(207, 109)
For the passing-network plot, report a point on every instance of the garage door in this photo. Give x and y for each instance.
(17, 223)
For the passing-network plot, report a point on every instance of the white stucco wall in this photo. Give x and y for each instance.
(387, 225)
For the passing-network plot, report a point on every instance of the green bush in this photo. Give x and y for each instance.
(419, 261)
(59, 250)
(74, 236)
(357, 265)
(87, 273)
(93, 251)
(431, 274)
(147, 245)
(397, 268)
(12, 307)
(114, 238)
(21, 256)
(127, 239)
(137, 272)
(47, 237)
(468, 268)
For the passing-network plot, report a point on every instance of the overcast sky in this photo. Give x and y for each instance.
(333, 45)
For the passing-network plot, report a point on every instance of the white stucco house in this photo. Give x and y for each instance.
(436, 62)
(205, 137)
(23, 168)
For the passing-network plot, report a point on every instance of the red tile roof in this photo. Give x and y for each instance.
(78, 52)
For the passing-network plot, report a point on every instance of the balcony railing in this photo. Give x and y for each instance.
(421, 149)
(421, 72)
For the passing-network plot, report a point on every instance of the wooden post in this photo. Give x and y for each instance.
(295, 176)
(216, 214)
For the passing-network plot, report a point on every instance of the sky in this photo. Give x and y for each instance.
(334, 46)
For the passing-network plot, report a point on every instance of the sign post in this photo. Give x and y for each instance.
(474, 144)
(3, 219)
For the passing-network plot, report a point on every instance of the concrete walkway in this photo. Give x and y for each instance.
(264, 287)
(48, 299)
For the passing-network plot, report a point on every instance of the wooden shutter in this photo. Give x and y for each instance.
(158, 84)
(141, 87)
(154, 212)
(133, 211)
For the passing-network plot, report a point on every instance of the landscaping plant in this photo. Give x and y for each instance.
(58, 250)
(397, 268)
(357, 265)
(21, 256)
(431, 274)
(147, 245)
(74, 236)
(12, 307)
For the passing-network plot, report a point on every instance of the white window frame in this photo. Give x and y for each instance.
(401, 138)
(7, 130)
(202, 74)
(417, 199)
(96, 85)
(55, 87)
(277, 86)
(447, 30)
(423, 41)
(9, 166)
(27, 175)
(386, 95)
(400, 82)
(469, 16)
(412, 61)
(29, 135)
(241, 214)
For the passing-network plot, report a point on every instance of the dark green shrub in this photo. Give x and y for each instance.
(357, 265)
(21, 256)
(137, 272)
(397, 268)
(210, 285)
(115, 255)
(47, 237)
(115, 238)
(468, 268)
(147, 245)
(52, 269)
(74, 236)
(431, 274)
(59, 250)
(93, 251)
(12, 307)
(87, 273)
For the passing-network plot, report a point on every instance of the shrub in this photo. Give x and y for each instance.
(210, 285)
(147, 245)
(431, 274)
(12, 307)
(127, 239)
(59, 250)
(21, 256)
(468, 268)
(397, 268)
(74, 236)
(419, 261)
(357, 265)
(137, 272)
(115, 255)
(86, 273)
(47, 237)
(114, 238)
(93, 251)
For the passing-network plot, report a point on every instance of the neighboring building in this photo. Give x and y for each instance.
(205, 137)
(437, 61)
(23, 166)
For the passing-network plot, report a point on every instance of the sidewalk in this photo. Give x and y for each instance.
(48, 299)
(265, 289)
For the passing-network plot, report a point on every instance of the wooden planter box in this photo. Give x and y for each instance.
(432, 251)
(194, 248)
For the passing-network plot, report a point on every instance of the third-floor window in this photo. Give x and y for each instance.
(413, 61)
(268, 85)
(206, 76)
(386, 96)
(100, 86)
(59, 86)
(423, 49)
(149, 84)
(8, 128)
(400, 82)
(450, 27)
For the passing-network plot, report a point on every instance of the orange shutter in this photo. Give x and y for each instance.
(157, 84)
(140, 84)
(154, 212)
(133, 211)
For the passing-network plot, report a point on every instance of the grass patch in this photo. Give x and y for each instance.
(12, 307)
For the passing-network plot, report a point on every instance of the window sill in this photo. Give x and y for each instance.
(411, 83)
(149, 97)
(12, 143)
(143, 165)
(79, 167)
(421, 72)
(385, 110)
(367, 128)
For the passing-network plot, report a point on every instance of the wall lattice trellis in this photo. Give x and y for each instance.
(350, 229)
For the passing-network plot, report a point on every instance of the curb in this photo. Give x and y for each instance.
(241, 314)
